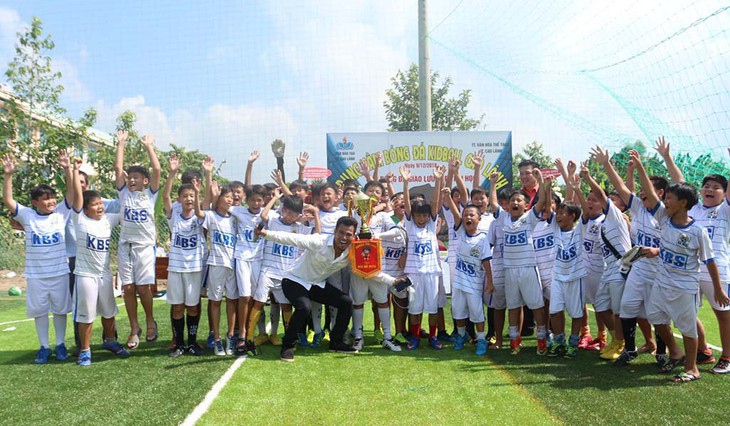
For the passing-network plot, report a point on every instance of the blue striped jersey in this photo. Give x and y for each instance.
(592, 244)
(517, 250)
(423, 249)
(645, 228)
(394, 242)
(222, 234)
(138, 216)
(496, 240)
(471, 252)
(45, 243)
(187, 243)
(110, 206)
(616, 231)
(543, 241)
(328, 220)
(716, 220)
(247, 247)
(93, 241)
(569, 262)
(278, 258)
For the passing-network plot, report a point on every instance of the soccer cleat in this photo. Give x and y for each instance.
(542, 347)
(625, 358)
(460, 342)
(210, 344)
(596, 344)
(722, 366)
(556, 349)
(391, 344)
(274, 339)
(261, 339)
(571, 352)
(515, 346)
(357, 344)
(481, 347)
(230, 345)
(434, 343)
(401, 338)
(452, 337)
(287, 355)
(615, 352)
(413, 343)
(251, 349)
(218, 349)
(671, 364)
(378, 334)
(61, 352)
(302, 340)
(608, 348)
(705, 357)
(84, 358)
(585, 341)
(317, 339)
(196, 350)
(423, 334)
(310, 335)
(42, 356)
(661, 359)
(443, 336)
(326, 337)
(177, 352)
(115, 347)
(342, 348)
(241, 348)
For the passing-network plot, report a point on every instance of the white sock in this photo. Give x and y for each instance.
(461, 330)
(275, 315)
(513, 332)
(541, 332)
(317, 317)
(59, 324)
(384, 314)
(357, 320)
(481, 336)
(41, 328)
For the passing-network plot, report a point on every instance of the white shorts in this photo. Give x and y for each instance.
(403, 294)
(220, 280)
(247, 277)
(522, 287)
(268, 284)
(136, 264)
(423, 294)
(442, 300)
(48, 295)
(667, 304)
(359, 288)
(567, 296)
(498, 298)
(546, 284)
(184, 288)
(467, 305)
(707, 290)
(94, 296)
(636, 294)
(609, 296)
(591, 282)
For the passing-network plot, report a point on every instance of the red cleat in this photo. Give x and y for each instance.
(596, 344)
(584, 341)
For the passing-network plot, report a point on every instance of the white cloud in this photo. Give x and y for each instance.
(10, 25)
(75, 90)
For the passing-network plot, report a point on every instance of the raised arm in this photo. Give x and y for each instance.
(493, 202)
(77, 202)
(376, 167)
(585, 174)
(662, 147)
(364, 170)
(148, 141)
(547, 209)
(278, 147)
(302, 163)
(314, 211)
(575, 184)
(174, 163)
(270, 205)
(196, 206)
(249, 167)
(65, 162)
(451, 205)
(391, 189)
(566, 178)
(602, 157)
(545, 192)
(122, 136)
(461, 185)
(646, 184)
(406, 174)
(449, 179)
(438, 174)
(207, 166)
(9, 167)
(477, 160)
(630, 181)
(278, 178)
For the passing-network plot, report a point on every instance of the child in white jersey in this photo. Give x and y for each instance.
(684, 245)
(138, 190)
(185, 259)
(422, 260)
(46, 267)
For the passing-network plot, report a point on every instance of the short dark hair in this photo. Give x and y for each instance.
(478, 190)
(270, 187)
(190, 174)
(417, 196)
(256, 190)
(471, 206)
(503, 194)
(225, 189)
(528, 162)
(722, 180)
(346, 221)
(90, 196)
(138, 169)
(185, 187)
(373, 183)
(298, 184)
(520, 192)
(686, 192)
(659, 182)
(38, 191)
(236, 184)
(555, 197)
(81, 172)
(292, 203)
(351, 182)
(395, 195)
(571, 208)
(317, 189)
(420, 206)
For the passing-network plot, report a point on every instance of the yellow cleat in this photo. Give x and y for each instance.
(261, 339)
(275, 340)
(617, 347)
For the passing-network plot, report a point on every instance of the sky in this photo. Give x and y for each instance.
(228, 77)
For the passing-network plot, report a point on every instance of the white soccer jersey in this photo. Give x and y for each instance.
(485, 222)
(616, 231)
(471, 251)
(279, 258)
(496, 240)
(45, 244)
(453, 239)
(592, 244)
(110, 206)
(423, 249)
(93, 240)
(222, 233)
(517, 251)
(187, 245)
(394, 243)
(543, 241)
(247, 247)
(569, 262)
(716, 220)
(682, 250)
(138, 216)
(328, 220)
(646, 229)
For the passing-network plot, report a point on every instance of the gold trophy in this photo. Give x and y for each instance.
(363, 205)
(366, 251)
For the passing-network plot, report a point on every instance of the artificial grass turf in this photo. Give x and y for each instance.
(424, 387)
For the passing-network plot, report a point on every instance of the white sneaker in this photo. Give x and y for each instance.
(230, 346)
(722, 367)
(218, 348)
(358, 343)
(391, 344)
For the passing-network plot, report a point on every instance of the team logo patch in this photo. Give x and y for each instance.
(475, 252)
(684, 240)
(593, 229)
(712, 214)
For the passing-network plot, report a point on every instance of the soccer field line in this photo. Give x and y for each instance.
(204, 405)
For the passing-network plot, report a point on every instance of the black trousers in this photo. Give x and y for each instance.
(301, 299)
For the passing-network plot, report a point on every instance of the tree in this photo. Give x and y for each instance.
(401, 108)
(533, 151)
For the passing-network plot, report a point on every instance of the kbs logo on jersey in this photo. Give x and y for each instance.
(185, 242)
(543, 243)
(248, 235)
(136, 215)
(710, 231)
(44, 240)
(97, 244)
(567, 254)
(224, 239)
(422, 249)
(515, 239)
(646, 240)
(588, 246)
(394, 253)
(466, 268)
(673, 259)
(282, 250)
